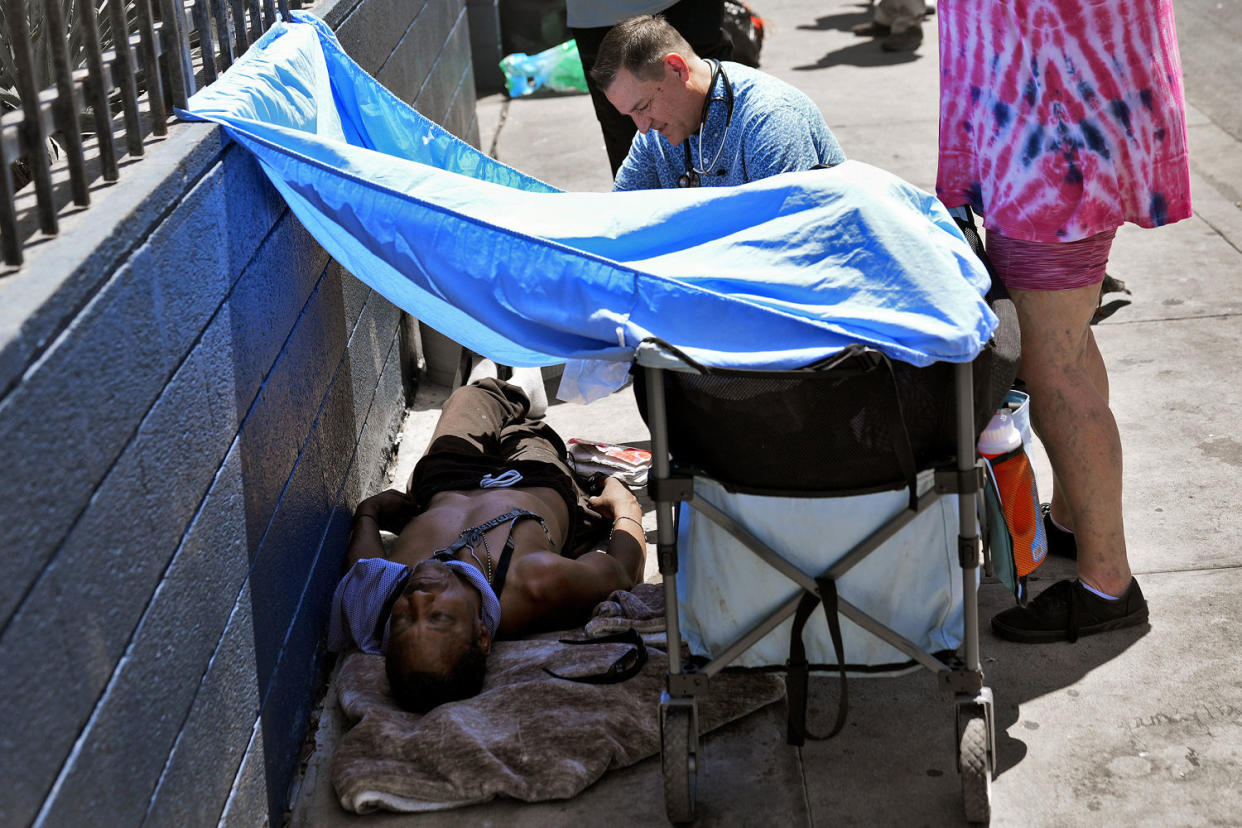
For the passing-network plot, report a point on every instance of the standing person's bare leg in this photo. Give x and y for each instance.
(1062, 515)
(1064, 374)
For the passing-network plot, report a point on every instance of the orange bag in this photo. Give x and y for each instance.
(1012, 501)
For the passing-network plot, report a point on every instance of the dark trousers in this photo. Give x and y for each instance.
(700, 22)
(483, 429)
(489, 418)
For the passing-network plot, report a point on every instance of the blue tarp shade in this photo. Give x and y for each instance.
(775, 274)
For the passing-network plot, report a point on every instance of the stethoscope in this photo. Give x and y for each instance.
(692, 177)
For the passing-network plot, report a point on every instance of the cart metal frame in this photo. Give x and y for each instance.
(975, 722)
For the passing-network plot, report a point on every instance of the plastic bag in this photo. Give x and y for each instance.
(587, 380)
(625, 462)
(557, 68)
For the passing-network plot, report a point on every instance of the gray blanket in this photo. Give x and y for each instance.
(528, 735)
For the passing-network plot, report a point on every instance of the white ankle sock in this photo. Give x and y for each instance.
(1100, 593)
(530, 380)
(483, 369)
(1059, 526)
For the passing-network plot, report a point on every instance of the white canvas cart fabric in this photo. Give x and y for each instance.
(912, 584)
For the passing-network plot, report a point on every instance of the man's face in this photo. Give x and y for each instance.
(435, 619)
(665, 104)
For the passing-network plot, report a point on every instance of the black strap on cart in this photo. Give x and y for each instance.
(798, 670)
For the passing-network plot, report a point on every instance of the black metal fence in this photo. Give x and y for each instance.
(159, 51)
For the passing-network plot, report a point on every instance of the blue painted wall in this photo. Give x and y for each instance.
(180, 458)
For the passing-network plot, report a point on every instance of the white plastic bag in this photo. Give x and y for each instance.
(588, 380)
(624, 462)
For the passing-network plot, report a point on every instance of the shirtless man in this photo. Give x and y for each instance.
(493, 534)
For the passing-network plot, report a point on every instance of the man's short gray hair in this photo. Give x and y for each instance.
(639, 45)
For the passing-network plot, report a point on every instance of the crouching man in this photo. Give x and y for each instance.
(493, 539)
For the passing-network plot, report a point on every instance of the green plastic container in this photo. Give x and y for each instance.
(557, 68)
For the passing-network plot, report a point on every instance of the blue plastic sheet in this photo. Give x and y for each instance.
(778, 273)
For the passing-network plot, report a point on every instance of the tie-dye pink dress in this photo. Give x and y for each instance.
(1060, 119)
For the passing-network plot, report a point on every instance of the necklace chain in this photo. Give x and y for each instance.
(470, 536)
(487, 551)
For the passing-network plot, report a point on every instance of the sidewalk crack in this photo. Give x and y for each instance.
(1175, 571)
(500, 125)
(806, 795)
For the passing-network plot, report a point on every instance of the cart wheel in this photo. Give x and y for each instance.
(976, 775)
(677, 761)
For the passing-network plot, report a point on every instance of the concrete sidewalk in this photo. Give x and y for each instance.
(1142, 727)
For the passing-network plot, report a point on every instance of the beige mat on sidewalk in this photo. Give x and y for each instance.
(528, 735)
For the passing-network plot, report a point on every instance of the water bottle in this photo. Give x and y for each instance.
(1000, 437)
(1001, 445)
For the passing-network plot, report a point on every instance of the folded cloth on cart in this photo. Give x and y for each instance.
(788, 270)
(912, 583)
(527, 735)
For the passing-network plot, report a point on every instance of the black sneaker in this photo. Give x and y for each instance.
(1066, 610)
(1060, 542)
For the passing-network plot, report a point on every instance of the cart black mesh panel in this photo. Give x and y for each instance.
(816, 432)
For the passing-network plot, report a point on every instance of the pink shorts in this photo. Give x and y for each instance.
(1029, 265)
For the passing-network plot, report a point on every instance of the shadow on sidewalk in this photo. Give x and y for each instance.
(1020, 673)
(865, 53)
(903, 728)
(841, 22)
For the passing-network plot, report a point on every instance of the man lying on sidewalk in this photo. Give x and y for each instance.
(493, 534)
